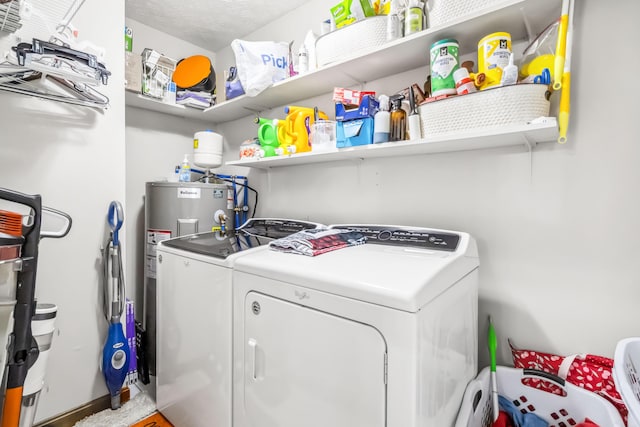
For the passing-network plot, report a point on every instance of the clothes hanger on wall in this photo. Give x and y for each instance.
(61, 69)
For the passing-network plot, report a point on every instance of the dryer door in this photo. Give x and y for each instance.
(304, 367)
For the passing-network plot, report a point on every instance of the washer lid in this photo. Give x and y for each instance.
(401, 277)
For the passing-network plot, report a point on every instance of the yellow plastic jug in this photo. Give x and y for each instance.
(296, 127)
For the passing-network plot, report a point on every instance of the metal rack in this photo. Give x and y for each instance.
(53, 69)
(10, 16)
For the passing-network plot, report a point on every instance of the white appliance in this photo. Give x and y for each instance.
(194, 319)
(378, 335)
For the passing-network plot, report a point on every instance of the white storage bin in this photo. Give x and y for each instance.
(441, 12)
(351, 40)
(626, 374)
(568, 410)
(497, 107)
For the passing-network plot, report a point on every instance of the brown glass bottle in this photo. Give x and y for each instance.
(398, 120)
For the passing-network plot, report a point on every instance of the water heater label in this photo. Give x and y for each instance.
(218, 193)
(188, 193)
(153, 238)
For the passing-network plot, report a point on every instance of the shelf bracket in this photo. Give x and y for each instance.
(528, 141)
(530, 144)
(268, 172)
(361, 84)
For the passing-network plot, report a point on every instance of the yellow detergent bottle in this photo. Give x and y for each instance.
(297, 126)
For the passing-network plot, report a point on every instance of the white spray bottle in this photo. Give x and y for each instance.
(382, 121)
(413, 117)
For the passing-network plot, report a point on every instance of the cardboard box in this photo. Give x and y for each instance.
(355, 132)
(350, 96)
(367, 107)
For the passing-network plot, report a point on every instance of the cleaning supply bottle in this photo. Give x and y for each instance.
(297, 126)
(303, 59)
(414, 117)
(509, 73)
(398, 119)
(382, 121)
(414, 17)
(394, 23)
(185, 170)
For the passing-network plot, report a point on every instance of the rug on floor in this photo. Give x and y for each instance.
(136, 409)
(155, 420)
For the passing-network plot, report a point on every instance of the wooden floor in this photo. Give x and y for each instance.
(154, 420)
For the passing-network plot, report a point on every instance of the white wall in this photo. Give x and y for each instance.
(156, 143)
(557, 230)
(74, 157)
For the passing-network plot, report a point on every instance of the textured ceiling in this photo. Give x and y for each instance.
(210, 24)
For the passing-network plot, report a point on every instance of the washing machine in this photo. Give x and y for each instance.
(194, 300)
(382, 334)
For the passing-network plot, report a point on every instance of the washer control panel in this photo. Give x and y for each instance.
(410, 237)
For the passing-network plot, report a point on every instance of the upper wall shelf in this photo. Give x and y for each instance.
(521, 18)
(527, 135)
(136, 100)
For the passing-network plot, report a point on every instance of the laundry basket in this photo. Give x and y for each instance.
(626, 374)
(559, 411)
(491, 108)
(351, 40)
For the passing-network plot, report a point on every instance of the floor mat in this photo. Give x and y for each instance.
(155, 420)
(139, 407)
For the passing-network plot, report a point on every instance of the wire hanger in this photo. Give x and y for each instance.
(54, 71)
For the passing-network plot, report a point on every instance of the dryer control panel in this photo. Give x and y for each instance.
(405, 236)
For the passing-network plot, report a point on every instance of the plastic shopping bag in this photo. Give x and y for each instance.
(588, 371)
(260, 64)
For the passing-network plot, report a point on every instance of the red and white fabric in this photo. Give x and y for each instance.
(588, 371)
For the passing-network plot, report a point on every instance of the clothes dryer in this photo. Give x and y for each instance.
(194, 319)
(378, 335)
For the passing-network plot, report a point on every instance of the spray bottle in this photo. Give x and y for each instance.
(398, 119)
(382, 121)
(414, 117)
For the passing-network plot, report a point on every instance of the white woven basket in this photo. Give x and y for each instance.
(442, 11)
(508, 105)
(351, 40)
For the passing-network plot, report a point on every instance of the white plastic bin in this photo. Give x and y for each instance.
(568, 410)
(626, 374)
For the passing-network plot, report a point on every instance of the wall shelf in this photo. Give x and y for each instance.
(394, 57)
(528, 135)
(146, 103)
